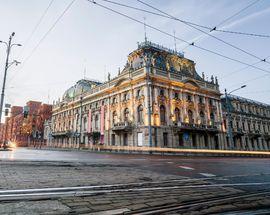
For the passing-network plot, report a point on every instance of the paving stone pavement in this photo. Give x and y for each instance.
(23, 175)
(26, 175)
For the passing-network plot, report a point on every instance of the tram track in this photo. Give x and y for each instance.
(11, 195)
(191, 205)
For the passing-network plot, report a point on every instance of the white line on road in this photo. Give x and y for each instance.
(169, 162)
(186, 167)
(207, 174)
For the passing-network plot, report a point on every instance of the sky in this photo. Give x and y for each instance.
(90, 41)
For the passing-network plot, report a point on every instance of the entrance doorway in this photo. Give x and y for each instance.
(194, 143)
(216, 142)
(113, 139)
(181, 142)
(125, 139)
(165, 139)
(140, 139)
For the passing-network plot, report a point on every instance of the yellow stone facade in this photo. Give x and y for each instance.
(157, 84)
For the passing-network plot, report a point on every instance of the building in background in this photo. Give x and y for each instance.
(250, 123)
(157, 92)
(26, 128)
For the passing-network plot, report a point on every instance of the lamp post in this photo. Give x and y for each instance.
(228, 109)
(7, 65)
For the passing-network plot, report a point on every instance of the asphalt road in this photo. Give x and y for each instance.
(225, 169)
(83, 181)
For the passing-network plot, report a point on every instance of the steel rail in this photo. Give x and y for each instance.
(88, 191)
(185, 207)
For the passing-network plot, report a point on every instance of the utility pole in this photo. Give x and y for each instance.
(149, 106)
(81, 116)
(7, 65)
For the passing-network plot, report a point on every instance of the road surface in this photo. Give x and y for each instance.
(130, 183)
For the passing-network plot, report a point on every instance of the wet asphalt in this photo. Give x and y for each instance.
(221, 170)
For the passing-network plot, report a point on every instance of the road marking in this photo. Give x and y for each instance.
(186, 167)
(207, 174)
(169, 162)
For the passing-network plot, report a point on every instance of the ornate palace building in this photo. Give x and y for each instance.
(158, 92)
(250, 122)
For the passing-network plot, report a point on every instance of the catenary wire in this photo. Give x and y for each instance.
(206, 33)
(191, 23)
(250, 80)
(241, 69)
(236, 14)
(36, 27)
(44, 36)
(177, 38)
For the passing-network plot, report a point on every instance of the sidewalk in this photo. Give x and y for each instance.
(165, 151)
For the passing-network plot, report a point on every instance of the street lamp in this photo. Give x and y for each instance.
(7, 65)
(228, 109)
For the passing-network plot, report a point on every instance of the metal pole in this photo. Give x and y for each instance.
(5, 75)
(81, 98)
(229, 121)
(149, 104)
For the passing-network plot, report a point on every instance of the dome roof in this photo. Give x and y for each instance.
(80, 87)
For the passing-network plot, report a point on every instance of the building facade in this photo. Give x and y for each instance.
(23, 129)
(250, 122)
(158, 92)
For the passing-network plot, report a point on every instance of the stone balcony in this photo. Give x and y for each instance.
(181, 126)
(122, 126)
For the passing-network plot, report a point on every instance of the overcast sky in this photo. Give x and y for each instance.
(91, 37)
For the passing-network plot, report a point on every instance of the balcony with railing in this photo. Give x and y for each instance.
(122, 126)
(196, 127)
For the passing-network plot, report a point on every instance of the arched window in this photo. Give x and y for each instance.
(190, 116)
(114, 117)
(84, 123)
(176, 95)
(212, 118)
(114, 101)
(161, 92)
(138, 93)
(162, 114)
(202, 117)
(177, 115)
(140, 114)
(96, 122)
(125, 97)
(126, 115)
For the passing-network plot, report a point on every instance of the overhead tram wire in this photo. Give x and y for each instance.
(249, 80)
(191, 23)
(235, 14)
(206, 33)
(241, 69)
(36, 26)
(44, 36)
(177, 38)
(185, 22)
